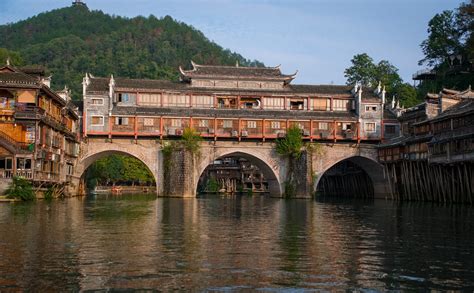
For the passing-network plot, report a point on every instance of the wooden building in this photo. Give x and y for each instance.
(39, 137)
(233, 102)
(434, 158)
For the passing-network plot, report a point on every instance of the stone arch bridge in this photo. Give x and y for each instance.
(185, 175)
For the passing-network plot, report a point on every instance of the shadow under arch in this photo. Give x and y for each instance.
(274, 185)
(373, 169)
(89, 160)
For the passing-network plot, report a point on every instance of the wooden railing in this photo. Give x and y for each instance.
(239, 128)
(8, 174)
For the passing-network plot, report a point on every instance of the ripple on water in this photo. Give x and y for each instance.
(234, 244)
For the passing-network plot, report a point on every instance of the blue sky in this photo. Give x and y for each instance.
(316, 37)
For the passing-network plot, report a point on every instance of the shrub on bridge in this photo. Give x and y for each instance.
(291, 144)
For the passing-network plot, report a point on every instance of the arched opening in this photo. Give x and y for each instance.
(238, 173)
(119, 172)
(356, 177)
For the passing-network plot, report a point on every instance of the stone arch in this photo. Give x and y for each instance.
(146, 152)
(374, 170)
(269, 168)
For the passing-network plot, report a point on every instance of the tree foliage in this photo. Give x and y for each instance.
(450, 36)
(446, 35)
(362, 70)
(21, 188)
(291, 145)
(118, 168)
(191, 140)
(365, 71)
(74, 40)
(15, 58)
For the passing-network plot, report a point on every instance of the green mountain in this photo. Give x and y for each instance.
(74, 40)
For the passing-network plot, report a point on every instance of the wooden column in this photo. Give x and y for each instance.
(215, 129)
(263, 130)
(334, 130)
(110, 126)
(136, 128)
(311, 130)
(161, 127)
(239, 128)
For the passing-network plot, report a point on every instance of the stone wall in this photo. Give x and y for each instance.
(179, 175)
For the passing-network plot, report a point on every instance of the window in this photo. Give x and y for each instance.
(370, 127)
(126, 97)
(297, 104)
(150, 99)
(371, 108)
(203, 101)
(23, 164)
(70, 169)
(250, 103)
(390, 129)
(176, 123)
(320, 104)
(97, 120)
(251, 124)
(203, 123)
(227, 123)
(176, 100)
(274, 103)
(6, 163)
(227, 102)
(275, 124)
(121, 120)
(148, 122)
(323, 126)
(346, 126)
(97, 101)
(340, 105)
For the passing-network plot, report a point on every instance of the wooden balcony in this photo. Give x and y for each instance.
(238, 128)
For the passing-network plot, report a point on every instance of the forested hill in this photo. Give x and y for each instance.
(74, 40)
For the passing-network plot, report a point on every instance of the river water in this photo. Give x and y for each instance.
(230, 244)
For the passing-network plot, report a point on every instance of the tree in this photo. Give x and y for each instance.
(387, 74)
(406, 95)
(446, 34)
(363, 70)
(15, 58)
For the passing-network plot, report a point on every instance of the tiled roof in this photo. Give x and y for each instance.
(461, 108)
(18, 79)
(238, 72)
(233, 113)
(33, 70)
(101, 85)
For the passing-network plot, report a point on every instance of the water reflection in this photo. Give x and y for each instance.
(215, 243)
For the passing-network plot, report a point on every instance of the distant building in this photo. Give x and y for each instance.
(234, 102)
(436, 130)
(79, 3)
(38, 128)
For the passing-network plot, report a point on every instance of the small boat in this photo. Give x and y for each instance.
(117, 189)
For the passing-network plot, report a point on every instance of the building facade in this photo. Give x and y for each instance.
(234, 102)
(39, 137)
(434, 158)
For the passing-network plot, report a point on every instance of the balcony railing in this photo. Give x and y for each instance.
(29, 112)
